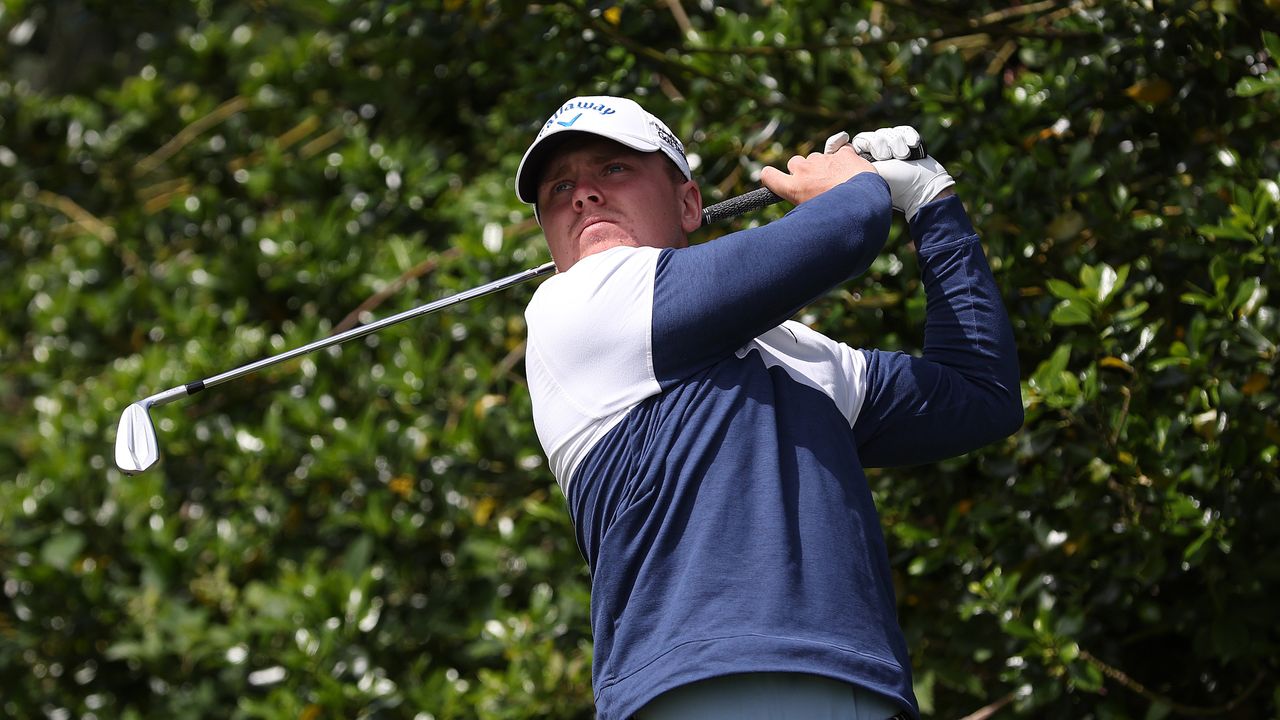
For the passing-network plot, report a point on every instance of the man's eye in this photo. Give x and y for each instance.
(614, 167)
(561, 186)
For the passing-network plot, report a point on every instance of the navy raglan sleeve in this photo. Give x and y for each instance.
(963, 392)
(711, 299)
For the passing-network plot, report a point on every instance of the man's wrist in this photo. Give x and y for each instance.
(945, 192)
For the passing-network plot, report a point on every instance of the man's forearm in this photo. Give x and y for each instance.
(967, 327)
(709, 299)
(964, 392)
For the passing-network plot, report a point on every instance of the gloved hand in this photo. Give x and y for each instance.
(912, 183)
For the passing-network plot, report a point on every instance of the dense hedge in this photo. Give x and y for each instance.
(373, 531)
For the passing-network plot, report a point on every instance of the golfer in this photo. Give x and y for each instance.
(711, 451)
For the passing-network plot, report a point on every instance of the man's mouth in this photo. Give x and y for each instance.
(593, 220)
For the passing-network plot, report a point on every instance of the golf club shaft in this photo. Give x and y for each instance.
(353, 333)
(720, 211)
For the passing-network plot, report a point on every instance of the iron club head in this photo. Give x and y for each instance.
(136, 447)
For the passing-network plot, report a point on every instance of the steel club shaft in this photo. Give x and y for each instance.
(137, 448)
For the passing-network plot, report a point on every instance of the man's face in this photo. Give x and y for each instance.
(597, 194)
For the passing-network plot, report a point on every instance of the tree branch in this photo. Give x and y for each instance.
(675, 66)
(1121, 678)
(681, 17)
(987, 711)
(288, 139)
(373, 301)
(188, 134)
(88, 222)
(78, 215)
(993, 24)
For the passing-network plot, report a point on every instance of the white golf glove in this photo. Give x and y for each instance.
(912, 183)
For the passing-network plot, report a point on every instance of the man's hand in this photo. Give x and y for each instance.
(812, 175)
(912, 183)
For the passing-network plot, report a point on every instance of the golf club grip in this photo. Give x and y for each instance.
(915, 152)
(735, 206)
(763, 197)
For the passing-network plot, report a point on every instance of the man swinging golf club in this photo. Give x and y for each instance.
(711, 451)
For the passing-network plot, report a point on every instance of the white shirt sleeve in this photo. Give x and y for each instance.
(813, 359)
(590, 356)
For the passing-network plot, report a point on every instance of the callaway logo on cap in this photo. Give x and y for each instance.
(618, 119)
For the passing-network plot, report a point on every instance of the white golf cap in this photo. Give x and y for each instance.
(615, 118)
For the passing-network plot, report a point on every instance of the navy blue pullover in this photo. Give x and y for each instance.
(711, 451)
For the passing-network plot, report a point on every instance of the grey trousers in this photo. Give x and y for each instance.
(769, 696)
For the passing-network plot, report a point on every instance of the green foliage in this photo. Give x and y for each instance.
(372, 531)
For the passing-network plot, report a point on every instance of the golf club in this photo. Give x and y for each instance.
(137, 448)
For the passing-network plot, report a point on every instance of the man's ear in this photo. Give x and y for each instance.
(690, 206)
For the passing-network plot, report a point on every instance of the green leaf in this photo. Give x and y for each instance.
(1192, 551)
(1019, 629)
(1057, 363)
(1072, 312)
(1199, 298)
(1111, 281)
(1221, 274)
(1253, 86)
(124, 650)
(1085, 676)
(356, 559)
(1225, 232)
(1245, 293)
(1090, 277)
(1131, 314)
(1271, 41)
(924, 689)
(1063, 290)
(62, 549)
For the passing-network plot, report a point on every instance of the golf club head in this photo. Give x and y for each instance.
(136, 448)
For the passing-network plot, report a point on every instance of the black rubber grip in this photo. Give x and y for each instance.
(735, 206)
(195, 387)
(915, 152)
(763, 197)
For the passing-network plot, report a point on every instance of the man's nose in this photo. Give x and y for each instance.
(584, 194)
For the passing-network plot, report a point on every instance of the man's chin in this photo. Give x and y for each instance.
(605, 233)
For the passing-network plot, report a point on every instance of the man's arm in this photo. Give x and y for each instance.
(711, 299)
(963, 392)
